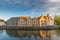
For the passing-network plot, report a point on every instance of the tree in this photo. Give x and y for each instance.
(57, 19)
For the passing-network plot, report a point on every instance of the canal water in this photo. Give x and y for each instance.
(29, 35)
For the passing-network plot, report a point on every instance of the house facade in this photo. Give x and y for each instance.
(41, 20)
(50, 22)
(46, 20)
(35, 22)
(21, 22)
(27, 21)
(12, 21)
(2, 22)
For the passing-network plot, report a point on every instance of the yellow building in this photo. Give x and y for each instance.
(46, 20)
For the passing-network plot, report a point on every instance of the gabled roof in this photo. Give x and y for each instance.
(35, 18)
(25, 17)
(13, 18)
(2, 20)
(45, 17)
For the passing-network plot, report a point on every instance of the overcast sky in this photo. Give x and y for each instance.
(11, 8)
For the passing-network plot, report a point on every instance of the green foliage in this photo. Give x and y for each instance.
(57, 19)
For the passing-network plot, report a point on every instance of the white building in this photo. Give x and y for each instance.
(50, 22)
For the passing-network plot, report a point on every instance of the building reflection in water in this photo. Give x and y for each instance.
(1, 31)
(45, 34)
(30, 35)
(58, 32)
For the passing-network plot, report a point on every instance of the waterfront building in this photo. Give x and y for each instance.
(41, 20)
(2, 22)
(27, 21)
(12, 21)
(46, 20)
(50, 22)
(22, 21)
(35, 22)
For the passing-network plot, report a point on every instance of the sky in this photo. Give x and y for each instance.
(33, 8)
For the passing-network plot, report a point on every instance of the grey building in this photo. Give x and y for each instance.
(12, 21)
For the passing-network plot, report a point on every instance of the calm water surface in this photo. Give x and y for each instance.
(29, 35)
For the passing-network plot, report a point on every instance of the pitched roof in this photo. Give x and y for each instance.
(45, 17)
(25, 17)
(2, 20)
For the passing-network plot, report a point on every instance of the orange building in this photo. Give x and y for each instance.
(46, 20)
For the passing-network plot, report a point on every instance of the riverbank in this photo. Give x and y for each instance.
(30, 28)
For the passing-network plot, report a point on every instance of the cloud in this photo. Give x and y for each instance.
(36, 6)
(54, 0)
(44, 7)
(51, 7)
